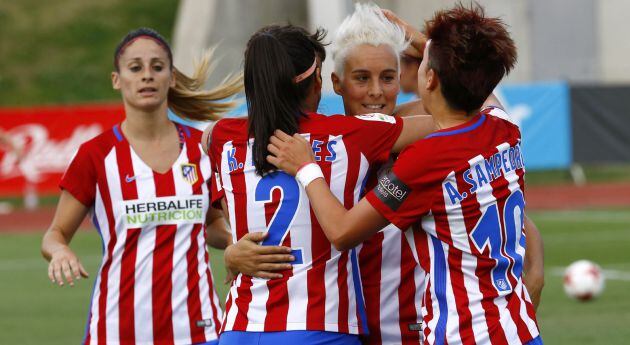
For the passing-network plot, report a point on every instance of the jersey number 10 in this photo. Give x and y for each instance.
(502, 238)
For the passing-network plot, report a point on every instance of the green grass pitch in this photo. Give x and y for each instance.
(33, 311)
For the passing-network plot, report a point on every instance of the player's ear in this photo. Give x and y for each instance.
(116, 80)
(336, 81)
(432, 80)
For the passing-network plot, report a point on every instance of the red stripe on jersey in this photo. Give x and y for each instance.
(127, 282)
(342, 283)
(316, 276)
(197, 334)
(429, 306)
(407, 294)
(213, 303)
(101, 328)
(163, 266)
(237, 178)
(278, 302)
(370, 258)
(228, 305)
(126, 308)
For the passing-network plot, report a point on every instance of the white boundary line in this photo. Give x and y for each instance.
(608, 274)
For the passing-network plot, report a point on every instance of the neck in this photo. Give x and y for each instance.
(447, 117)
(146, 125)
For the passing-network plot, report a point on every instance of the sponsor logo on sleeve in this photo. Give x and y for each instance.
(391, 191)
(377, 117)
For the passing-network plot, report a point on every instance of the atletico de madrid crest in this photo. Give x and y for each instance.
(189, 173)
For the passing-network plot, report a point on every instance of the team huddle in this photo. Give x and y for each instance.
(384, 225)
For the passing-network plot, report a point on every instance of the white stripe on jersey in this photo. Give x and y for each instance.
(202, 267)
(113, 279)
(144, 255)
(390, 281)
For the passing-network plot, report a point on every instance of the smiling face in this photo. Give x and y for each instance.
(144, 75)
(370, 80)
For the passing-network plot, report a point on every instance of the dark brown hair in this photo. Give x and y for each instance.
(274, 56)
(470, 53)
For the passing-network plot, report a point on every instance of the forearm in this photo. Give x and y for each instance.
(533, 266)
(345, 229)
(53, 241)
(217, 234)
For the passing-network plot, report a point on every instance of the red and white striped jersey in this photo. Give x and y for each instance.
(393, 282)
(322, 291)
(461, 189)
(154, 284)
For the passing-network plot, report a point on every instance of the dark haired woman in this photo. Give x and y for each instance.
(145, 183)
(318, 299)
(460, 188)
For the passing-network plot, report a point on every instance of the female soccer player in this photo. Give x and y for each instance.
(461, 189)
(145, 182)
(366, 51)
(318, 299)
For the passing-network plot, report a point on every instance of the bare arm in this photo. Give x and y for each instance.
(55, 245)
(217, 234)
(414, 129)
(533, 265)
(344, 228)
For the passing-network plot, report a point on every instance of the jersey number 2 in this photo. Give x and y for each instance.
(502, 240)
(289, 201)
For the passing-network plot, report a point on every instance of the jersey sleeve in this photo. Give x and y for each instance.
(378, 134)
(216, 188)
(80, 177)
(405, 193)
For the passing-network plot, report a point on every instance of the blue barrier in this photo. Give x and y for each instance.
(541, 110)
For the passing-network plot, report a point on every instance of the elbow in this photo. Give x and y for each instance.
(341, 241)
(342, 245)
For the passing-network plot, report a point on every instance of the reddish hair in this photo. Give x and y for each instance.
(470, 54)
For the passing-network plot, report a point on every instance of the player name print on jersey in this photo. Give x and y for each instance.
(485, 170)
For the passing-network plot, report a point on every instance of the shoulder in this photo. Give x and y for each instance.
(225, 130)
(102, 143)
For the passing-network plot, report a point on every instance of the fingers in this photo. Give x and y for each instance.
(83, 272)
(268, 250)
(281, 135)
(274, 267)
(267, 275)
(67, 273)
(273, 160)
(255, 236)
(56, 271)
(273, 149)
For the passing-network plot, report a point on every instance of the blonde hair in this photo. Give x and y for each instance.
(189, 100)
(366, 25)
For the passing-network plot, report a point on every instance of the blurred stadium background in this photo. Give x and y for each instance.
(570, 93)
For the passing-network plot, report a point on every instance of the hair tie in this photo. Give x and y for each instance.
(306, 73)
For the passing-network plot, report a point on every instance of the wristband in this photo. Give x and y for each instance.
(308, 173)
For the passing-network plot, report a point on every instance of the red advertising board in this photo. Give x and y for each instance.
(49, 137)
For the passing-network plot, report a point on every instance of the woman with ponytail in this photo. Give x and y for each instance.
(317, 298)
(145, 183)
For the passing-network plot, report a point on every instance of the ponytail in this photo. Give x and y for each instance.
(275, 55)
(189, 100)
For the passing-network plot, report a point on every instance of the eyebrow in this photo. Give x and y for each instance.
(153, 59)
(356, 71)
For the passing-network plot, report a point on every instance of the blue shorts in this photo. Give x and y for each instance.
(535, 341)
(288, 337)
